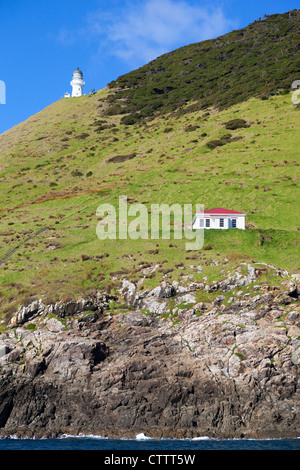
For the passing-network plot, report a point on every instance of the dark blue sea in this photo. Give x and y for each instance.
(143, 443)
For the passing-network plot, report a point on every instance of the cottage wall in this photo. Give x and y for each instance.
(219, 222)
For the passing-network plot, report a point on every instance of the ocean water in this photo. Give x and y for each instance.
(143, 443)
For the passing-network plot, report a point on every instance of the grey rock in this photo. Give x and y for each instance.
(213, 369)
(61, 309)
(4, 349)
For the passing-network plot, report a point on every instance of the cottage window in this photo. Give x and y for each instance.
(207, 223)
(221, 222)
(201, 223)
(233, 223)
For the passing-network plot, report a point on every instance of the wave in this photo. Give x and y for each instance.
(140, 437)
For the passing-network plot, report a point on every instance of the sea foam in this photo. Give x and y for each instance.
(142, 437)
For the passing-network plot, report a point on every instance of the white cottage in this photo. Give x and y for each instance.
(219, 218)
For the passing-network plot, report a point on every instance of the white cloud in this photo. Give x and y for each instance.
(159, 26)
(138, 33)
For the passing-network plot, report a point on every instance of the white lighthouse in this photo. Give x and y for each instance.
(77, 83)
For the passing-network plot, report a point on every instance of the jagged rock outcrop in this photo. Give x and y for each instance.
(223, 368)
(62, 309)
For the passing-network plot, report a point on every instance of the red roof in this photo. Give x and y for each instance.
(221, 211)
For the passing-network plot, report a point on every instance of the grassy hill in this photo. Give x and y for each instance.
(253, 61)
(62, 163)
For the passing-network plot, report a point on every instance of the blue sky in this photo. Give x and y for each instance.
(43, 41)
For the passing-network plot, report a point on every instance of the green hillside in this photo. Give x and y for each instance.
(254, 61)
(62, 163)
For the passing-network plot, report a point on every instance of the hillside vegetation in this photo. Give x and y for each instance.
(240, 153)
(253, 61)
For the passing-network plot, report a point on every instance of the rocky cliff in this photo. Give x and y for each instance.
(165, 364)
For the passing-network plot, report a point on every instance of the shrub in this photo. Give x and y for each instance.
(236, 124)
(215, 143)
(30, 326)
(191, 128)
(121, 158)
(84, 135)
(226, 137)
(76, 173)
(130, 120)
(207, 247)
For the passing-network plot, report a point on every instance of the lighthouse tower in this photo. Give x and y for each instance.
(77, 83)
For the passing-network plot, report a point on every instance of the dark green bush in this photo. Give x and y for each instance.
(236, 124)
(191, 128)
(84, 135)
(215, 143)
(130, 120)
(76, 173)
